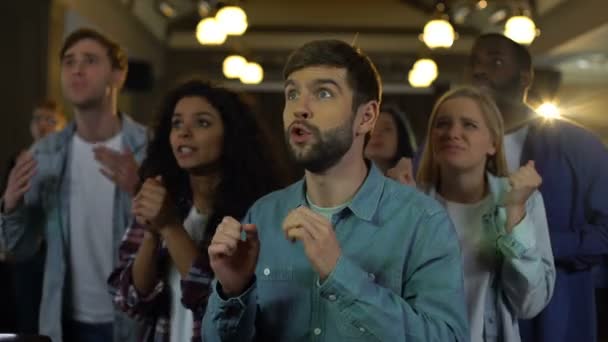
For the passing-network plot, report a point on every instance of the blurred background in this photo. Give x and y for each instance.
(169, 40)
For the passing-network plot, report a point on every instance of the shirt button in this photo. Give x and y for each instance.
(371, 276)
(317, 331)
(331, 297)
(362, 329)
(267, 271)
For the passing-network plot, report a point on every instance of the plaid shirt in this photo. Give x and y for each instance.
(155, 309)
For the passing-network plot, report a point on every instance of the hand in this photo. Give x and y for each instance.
(402, 172)
(152, 206)
(317, 234)
(233, 260)
(19, 181)
(119, 167)
(523, 183)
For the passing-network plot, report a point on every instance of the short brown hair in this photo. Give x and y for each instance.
(49, 104)
(116, 53)
(361, 74)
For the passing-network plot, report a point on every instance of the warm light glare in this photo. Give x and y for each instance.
(521, 29)
(419, 79)
(252, 73)
(233, 66)
(232, 19)
(482, 4)
(428, 67)
(209, 32)
(548, 110)
(438, 33)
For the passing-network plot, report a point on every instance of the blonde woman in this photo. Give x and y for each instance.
(500, 219)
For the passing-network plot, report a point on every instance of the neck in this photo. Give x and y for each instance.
(462, 187)
(97, 123)
(338, 184)
(515, 115)
(383, 165)
(203, 191)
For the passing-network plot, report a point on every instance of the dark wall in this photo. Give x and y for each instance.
(24, 57)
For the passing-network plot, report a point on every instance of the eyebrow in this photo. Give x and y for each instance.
(197, 114)
(316, 82)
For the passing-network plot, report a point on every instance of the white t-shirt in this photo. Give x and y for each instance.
(467, 219)
(91, 233)
(181, 318)
(514, 144)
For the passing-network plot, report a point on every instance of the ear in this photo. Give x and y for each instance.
(367, 115)
(118, 78)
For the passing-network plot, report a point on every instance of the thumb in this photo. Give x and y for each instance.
(159, 179)
(251, 233)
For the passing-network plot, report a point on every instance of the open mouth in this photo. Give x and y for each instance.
(299, 133)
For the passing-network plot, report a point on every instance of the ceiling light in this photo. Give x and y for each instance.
(521, 29)
(232, 19)
(438, 33)
(209, 32)
(233, 66)
(252, 73)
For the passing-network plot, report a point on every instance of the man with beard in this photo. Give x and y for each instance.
(573, 164)
(345, 253)
(78, 184)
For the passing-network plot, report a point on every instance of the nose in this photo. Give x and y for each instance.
(302, 109)
(185, 131)
(454, 131)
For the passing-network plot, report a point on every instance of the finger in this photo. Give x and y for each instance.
(405, 164)
(24, 167)
(229, 241)
(218, 251)
(24, 177)
(24, 157)
(153, 188)
(300, 234)
(108, 157)
(229, 231)
(110, 175)
(314, 217)
(23, 189)
(251, 231)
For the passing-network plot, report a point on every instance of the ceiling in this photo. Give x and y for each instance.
(573, 41)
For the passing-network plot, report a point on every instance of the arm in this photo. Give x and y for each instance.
(192, 265)
(232, 318)
(528, 272)
(583, 246)
(431, 306)
(123, 281)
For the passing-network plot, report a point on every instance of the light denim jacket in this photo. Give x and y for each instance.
(399, 277)
(46, 205)
(525, 276)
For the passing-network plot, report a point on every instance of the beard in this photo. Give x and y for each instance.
(503, 93)
(327, 149)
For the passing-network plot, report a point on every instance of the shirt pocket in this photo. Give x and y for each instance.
(277, 291)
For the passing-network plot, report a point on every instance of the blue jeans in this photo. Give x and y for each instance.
(74, 331)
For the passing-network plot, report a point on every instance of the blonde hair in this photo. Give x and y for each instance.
(428, 171)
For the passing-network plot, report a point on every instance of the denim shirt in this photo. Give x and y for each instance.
(399, 277)
(524, 277)
(47, 202)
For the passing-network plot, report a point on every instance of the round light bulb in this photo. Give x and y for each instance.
(521, 29)
(233, 66)
(438, 33)
(427, 67)
(208, 32)
(252, 73)
(232, 19)
(419, 79)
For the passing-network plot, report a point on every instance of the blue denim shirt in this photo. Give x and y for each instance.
(399, 277)
(47, 202)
